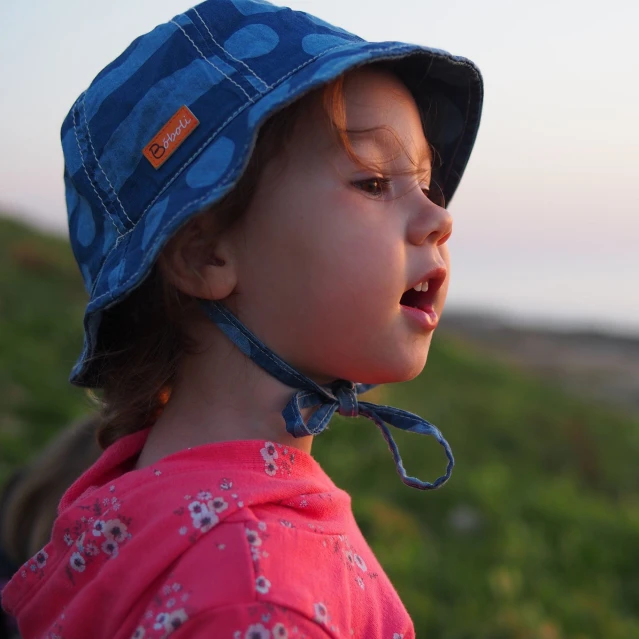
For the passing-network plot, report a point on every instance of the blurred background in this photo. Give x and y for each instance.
(534, 373)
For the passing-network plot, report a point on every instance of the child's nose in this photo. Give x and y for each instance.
(430, 223)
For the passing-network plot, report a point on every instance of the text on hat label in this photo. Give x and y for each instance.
(169, 138)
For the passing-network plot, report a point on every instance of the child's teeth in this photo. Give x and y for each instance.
(418, 287)
(425, 286)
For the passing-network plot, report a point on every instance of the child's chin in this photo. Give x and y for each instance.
(400, 370)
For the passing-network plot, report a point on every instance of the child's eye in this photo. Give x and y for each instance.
(376, 186)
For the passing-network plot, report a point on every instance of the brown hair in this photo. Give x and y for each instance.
(144, 337)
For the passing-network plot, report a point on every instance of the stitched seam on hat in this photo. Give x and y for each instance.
(209, 62)
(230, 173)
(206, 26)
(75, 132)
(231, 117)
(86, 124)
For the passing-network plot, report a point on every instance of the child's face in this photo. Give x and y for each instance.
(327, 249)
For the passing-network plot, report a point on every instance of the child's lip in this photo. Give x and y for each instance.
(427, 317)
(436, 277)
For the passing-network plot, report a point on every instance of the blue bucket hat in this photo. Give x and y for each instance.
(167, 129)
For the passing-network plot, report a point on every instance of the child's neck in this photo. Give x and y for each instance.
(220, 395)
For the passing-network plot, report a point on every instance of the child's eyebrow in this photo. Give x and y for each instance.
(394, 148)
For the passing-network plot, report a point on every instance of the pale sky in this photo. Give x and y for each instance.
(547, 215)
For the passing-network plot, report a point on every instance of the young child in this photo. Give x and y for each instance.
(238, 283)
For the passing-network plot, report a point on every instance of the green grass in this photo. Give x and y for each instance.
(534, 537)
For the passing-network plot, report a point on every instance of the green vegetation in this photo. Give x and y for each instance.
(536, 536)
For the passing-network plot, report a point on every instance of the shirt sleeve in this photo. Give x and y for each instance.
(257, 620)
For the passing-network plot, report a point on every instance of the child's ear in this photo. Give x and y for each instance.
(200, 263)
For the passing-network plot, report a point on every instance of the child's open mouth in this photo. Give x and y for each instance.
(418, 302)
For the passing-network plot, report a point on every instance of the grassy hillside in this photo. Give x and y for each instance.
(536, 536)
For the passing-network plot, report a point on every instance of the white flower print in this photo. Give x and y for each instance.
(262, 585)
(396, 635)
(41, 559)
(174, 620)
(359, 562)
(183, 530)
(253, 537)
(257, 631)
(77, 562)
(79, 544)
(68, 540)
(157, 472)
(91, 549)
(170, 603)
(176, 587)
(98, 527)
(106, 501)
(166, 590)
(262, 526)
(160, 620)
(32, 567)
(218, 505)
(202, 517)
(226, 484)
(110, 547)
(196, 508)
(286, 524)
(115, 530)
(139, 633)
(112, 488)
(269, 453)
(321, 613)
(360, 582)
(270, 468)
(349, 556)
(279, 631)
(204, 495)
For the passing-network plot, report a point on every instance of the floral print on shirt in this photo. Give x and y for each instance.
(98, 536)
(203, 509)
(167, 612)
(270, 622)
(277, 459)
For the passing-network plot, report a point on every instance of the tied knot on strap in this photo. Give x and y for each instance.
(339, 396)
(346, 394)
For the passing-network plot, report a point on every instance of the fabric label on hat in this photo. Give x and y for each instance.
(169, 138)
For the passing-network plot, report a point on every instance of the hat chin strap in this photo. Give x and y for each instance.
(340, 395)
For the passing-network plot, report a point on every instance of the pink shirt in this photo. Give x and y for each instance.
(234, 540)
